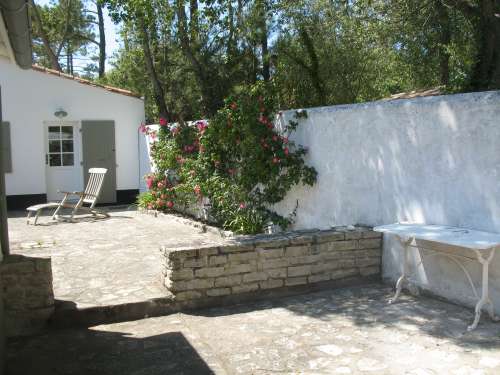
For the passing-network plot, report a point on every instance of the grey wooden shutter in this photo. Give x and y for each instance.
(6, 147)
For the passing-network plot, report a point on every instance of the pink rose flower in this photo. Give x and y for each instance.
(163, 121)
(243, 205)
(170, 204)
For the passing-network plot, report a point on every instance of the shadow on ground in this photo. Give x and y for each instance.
(84, 352)
(367, 307)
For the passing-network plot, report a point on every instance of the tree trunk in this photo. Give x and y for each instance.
(102, 40)
(159, 93)
(444, 42)
(488, 31)
(313, 69)
(54, 63)
(266, 66)
(193, 21)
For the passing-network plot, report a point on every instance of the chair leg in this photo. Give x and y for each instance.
(36, 216)
(28, 218)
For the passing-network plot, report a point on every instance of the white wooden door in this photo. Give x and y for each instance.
(62, 158)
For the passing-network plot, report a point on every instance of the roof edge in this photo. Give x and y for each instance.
(83, 81)
(17, 23)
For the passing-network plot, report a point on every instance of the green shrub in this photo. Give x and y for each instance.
(238, 161)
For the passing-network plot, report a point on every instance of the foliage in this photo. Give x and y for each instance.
(64, 36)
(238, 161)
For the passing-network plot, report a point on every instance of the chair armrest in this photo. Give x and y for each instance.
(80, 193)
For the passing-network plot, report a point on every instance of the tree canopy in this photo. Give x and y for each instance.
(186, 56)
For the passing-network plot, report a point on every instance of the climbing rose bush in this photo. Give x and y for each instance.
(237, 161)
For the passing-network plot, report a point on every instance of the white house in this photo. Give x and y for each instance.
(58, 126)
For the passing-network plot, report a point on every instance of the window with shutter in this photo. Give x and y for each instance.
(6, 147)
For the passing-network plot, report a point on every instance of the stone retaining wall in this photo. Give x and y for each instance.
(27, 293)
(251, 264)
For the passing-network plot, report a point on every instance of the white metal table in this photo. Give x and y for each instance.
(483, 244)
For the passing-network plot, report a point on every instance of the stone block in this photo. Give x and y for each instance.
(371, 234)
(209, 272)
(277, 273)
(270, 284)
(325, 267)
(270, 253)
(239, 268)
(370, 243)
(195, 262)
(218, 292)
(318, 278)
(353, 235)
(304, 237)
(245, 288)
(180, 286)
(192, 294)
(271, 241)
(342, 273)
(254, 276)
(366, 262)
(228, 281)
(369, 271)
(274, 263)
(208, 250)
(299, 271)
(242, 257)
(297, 251)
(236, 247)
(296, 281)
(307, 259)
(182, 274)
(328, 236)
(216, 260)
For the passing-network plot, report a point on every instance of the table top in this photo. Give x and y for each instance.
(462, 237)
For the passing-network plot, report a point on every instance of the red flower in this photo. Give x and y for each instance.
(149, 182)
(234, 106)
(286, 151)
(142, 128)
(160, 185)
(170, 204)
(163, 121)
(150, 206)
(163, 196)
(276, 160)
(243, 205)
(275, 138)
(285, 140)
(197, 190)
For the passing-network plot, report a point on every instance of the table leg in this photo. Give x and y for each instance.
(485, 299)
(404, 277)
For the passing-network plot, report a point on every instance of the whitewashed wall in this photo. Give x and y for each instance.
(31, 97)
(434, 160)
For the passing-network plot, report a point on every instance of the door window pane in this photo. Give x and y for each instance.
(67, 159)
(55, 146)
(54, 132)
(55, 160)
(66, 132)
(67, 146)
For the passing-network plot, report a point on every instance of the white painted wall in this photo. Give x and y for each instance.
(31, 97)
(434, 160)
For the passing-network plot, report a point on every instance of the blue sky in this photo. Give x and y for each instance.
(112, 35)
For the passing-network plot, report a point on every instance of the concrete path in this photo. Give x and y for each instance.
(105, 262)
(344, 331)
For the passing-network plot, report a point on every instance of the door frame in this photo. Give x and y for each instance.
(77, 150)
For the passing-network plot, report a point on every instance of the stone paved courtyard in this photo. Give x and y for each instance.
(343, 331)
(108, 261)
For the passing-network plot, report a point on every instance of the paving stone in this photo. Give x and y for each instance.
(343, 331)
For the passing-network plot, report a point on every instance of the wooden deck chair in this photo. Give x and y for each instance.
(89, 196)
